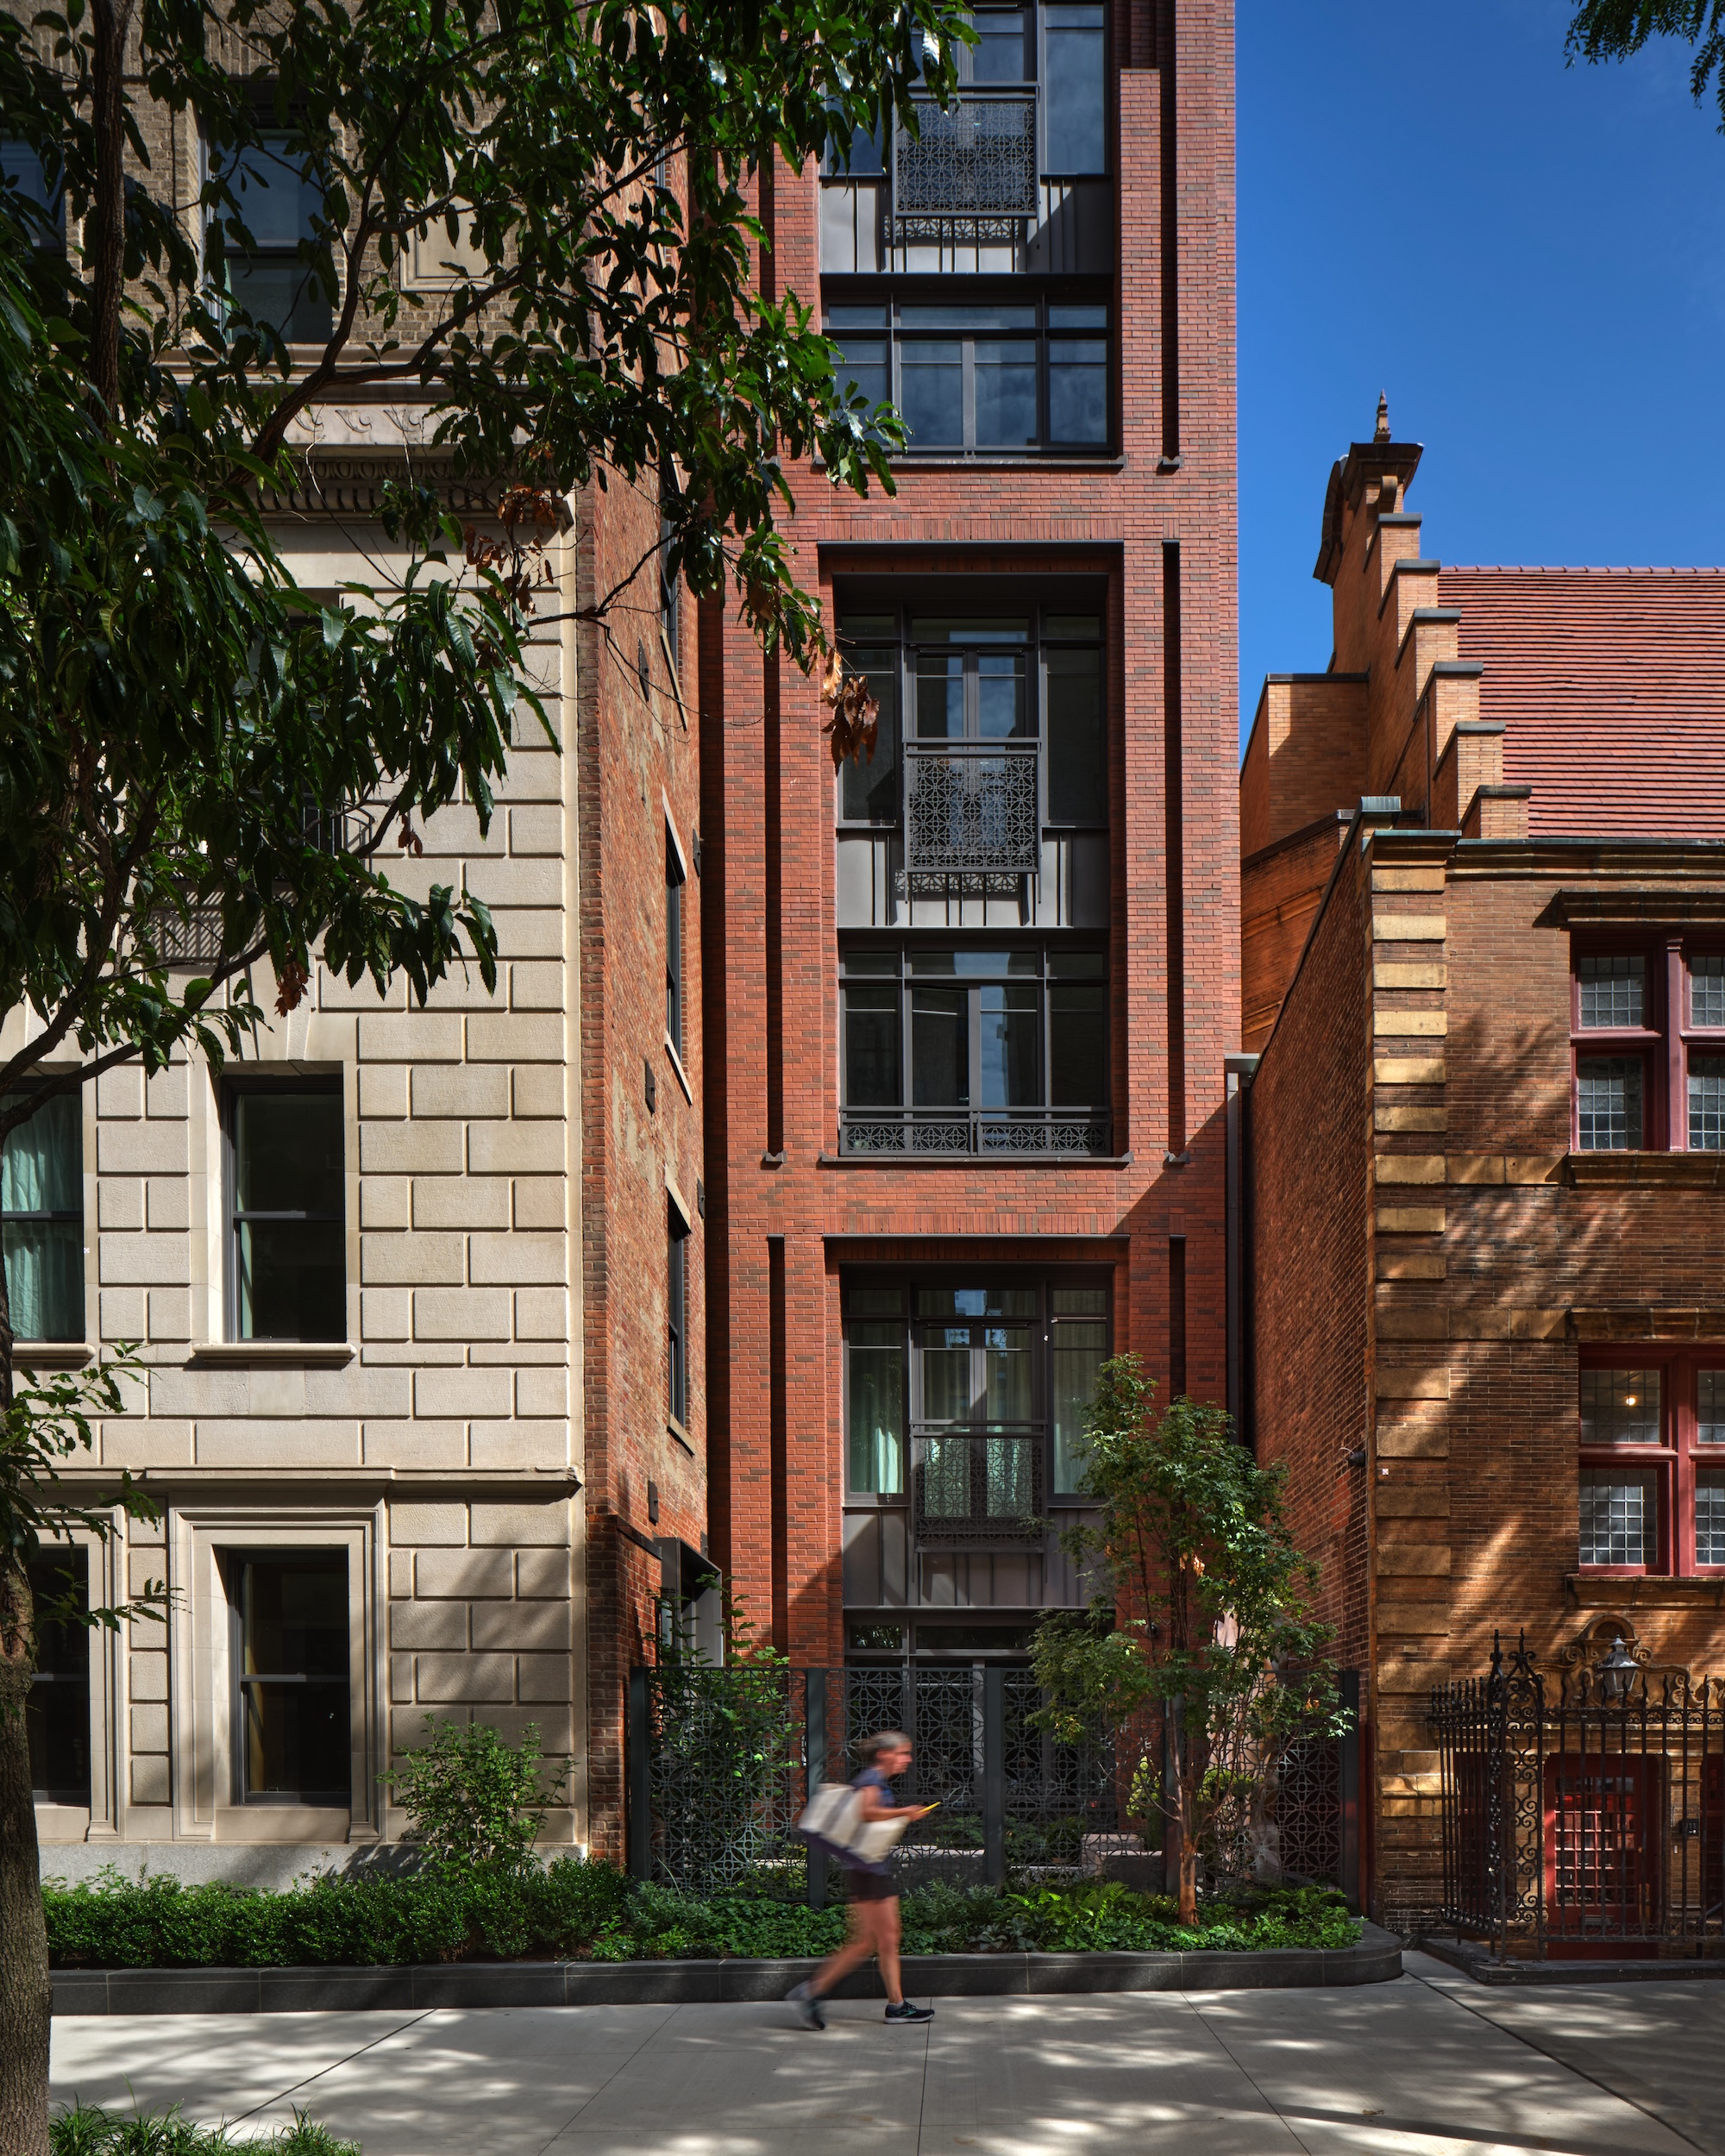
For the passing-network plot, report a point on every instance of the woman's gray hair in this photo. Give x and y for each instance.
(883, 1740)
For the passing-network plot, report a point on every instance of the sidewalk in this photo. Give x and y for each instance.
(1430, 2065)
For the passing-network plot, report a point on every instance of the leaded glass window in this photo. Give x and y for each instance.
(1608, 1109)
(1619, 1407)
(1707, 990)
(1707, 1104)
(1613, 991)
(1710, 1518)
(1709, 1406)
(1619, 1517)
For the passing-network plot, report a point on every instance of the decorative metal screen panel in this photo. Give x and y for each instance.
(974, 1487)
(974, 163)
(971, 805)
(996, 1132)
(725, 1776)
(1585, 1810)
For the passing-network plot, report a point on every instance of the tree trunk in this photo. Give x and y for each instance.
(25, 1993)
(105, 227)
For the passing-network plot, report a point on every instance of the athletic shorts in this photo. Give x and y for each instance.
(873, 1886)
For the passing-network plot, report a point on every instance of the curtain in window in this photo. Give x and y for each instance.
(41, 1175)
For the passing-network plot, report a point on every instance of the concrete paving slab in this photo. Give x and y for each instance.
(1404, 2069)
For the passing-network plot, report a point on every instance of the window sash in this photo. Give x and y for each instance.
(1680, 1446)
(291, 1675)
(677, 1321)
(41, 1219)
(287, 1265)
(984, 389)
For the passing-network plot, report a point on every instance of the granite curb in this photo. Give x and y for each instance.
(1376, 1959)
(1476, 1961)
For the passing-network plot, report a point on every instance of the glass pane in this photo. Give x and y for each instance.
(864, 364)
(1077, 392)
(875, 1370)
(41, 1167)
(871, 787)
(1077, 1351)
(940, 1047)
(861, 160)
(1006, 395)
(999, 52)
(939, 696)
(44, 1278)
(1619, 1407)
(1706, 1104)
(283, 291)
(1618, 1518)
(1076, 318)
(1076, 774)
(875, 1302)
(1073, 103)
(57, 1712)
(1608, 1103)
(295, 1740)
(1709, 1406)
(870, 963)
(1079, 1302)
(975, 1302)
(1613, 991)
(1077, 1047)
(873, 1071)
(287, 1153)
(1077, 965)
(946, 1387)
(1001, 710)
(276, 199)
(994, 629)
(1709, 1519)
(1012, 1055)
(1707, 991)
(292, 1279)
(973, 965)
(932, 394)
(1007, 1393)
(966, 317)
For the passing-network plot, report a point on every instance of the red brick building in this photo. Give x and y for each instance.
(966, 1007)
(1483, 911)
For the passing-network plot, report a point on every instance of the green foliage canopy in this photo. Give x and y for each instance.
(1614, 30)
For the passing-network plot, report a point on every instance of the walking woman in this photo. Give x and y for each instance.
(874, 1891)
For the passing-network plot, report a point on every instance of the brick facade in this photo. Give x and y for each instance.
(1437, 1254)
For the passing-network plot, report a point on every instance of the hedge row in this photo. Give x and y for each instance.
(580, 1909)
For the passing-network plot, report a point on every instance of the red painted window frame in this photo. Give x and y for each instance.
(1675, 1461)
(1665, 1045)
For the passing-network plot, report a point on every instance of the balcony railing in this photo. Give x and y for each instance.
(993, 1133)
(970, 1486)
(971, 805)
(972, 165)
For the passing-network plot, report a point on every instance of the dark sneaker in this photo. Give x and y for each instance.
(807, 2005)
(904, 2011)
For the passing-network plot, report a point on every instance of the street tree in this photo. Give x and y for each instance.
(1203, 1622)
(1614, 30)
(204, 771)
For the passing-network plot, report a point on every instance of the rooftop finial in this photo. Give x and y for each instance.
(1382, 433)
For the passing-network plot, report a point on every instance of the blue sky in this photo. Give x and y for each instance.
(1529, 260)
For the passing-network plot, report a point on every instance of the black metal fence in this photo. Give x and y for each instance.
(721, 1761)
(1583, 1813)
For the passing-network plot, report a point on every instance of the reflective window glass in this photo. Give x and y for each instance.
(1077, 776)
(1707, 1104)
(1074, 105)
(1619, 1517)
(1006, 395)
(932, 393)
(874, 1372)
(1011, 1048)
(975, 1302)
(1709, 1406)
(41, 1219)
(1077, 1047)
(939, 696)
(998, 55)
(870, 788)
(1707, 991)
(1608, 1103)
(1613, 991)
(864, 364)
(940, 1057)
(278, 200)
(969, 316)
(1078, 391)
(873, 1071)
(1076, 1351)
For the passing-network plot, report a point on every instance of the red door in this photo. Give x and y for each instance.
(1604, 1852)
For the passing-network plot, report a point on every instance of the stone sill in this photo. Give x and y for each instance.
(52, 1355)
(1683, 1171)
(1640, 1590)
(309, 1355)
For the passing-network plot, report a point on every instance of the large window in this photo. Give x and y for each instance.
(41, 1219)
(1652, 1463)
(968, 1050)
(290, 1658)
(1014, 374)
(288, 1221)
(58, 1711)
(265, 269)
(970, 1396)
(1648, 1035)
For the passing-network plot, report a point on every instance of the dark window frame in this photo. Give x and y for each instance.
(56, 1215)
(312, 290)
(1044, 338)
(47, 1697)
(1675, 1462)
(233, 1562)
(1042, 1324)
(233, 1087)
(677, 883)
(678, 1235)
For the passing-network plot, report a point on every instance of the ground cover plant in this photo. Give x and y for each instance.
(586, 1909)
(82, 2129)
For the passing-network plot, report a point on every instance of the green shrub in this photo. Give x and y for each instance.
(577, 1907)
(85, 2131)
(473, 1799)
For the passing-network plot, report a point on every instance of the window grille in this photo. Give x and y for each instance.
(1613, 991)
(1618, 1517)
(1608, 1103)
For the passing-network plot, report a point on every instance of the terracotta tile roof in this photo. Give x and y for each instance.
(1612, 684)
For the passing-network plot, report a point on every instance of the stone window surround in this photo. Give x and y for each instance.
(201, 1675)
(1673, 1463)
